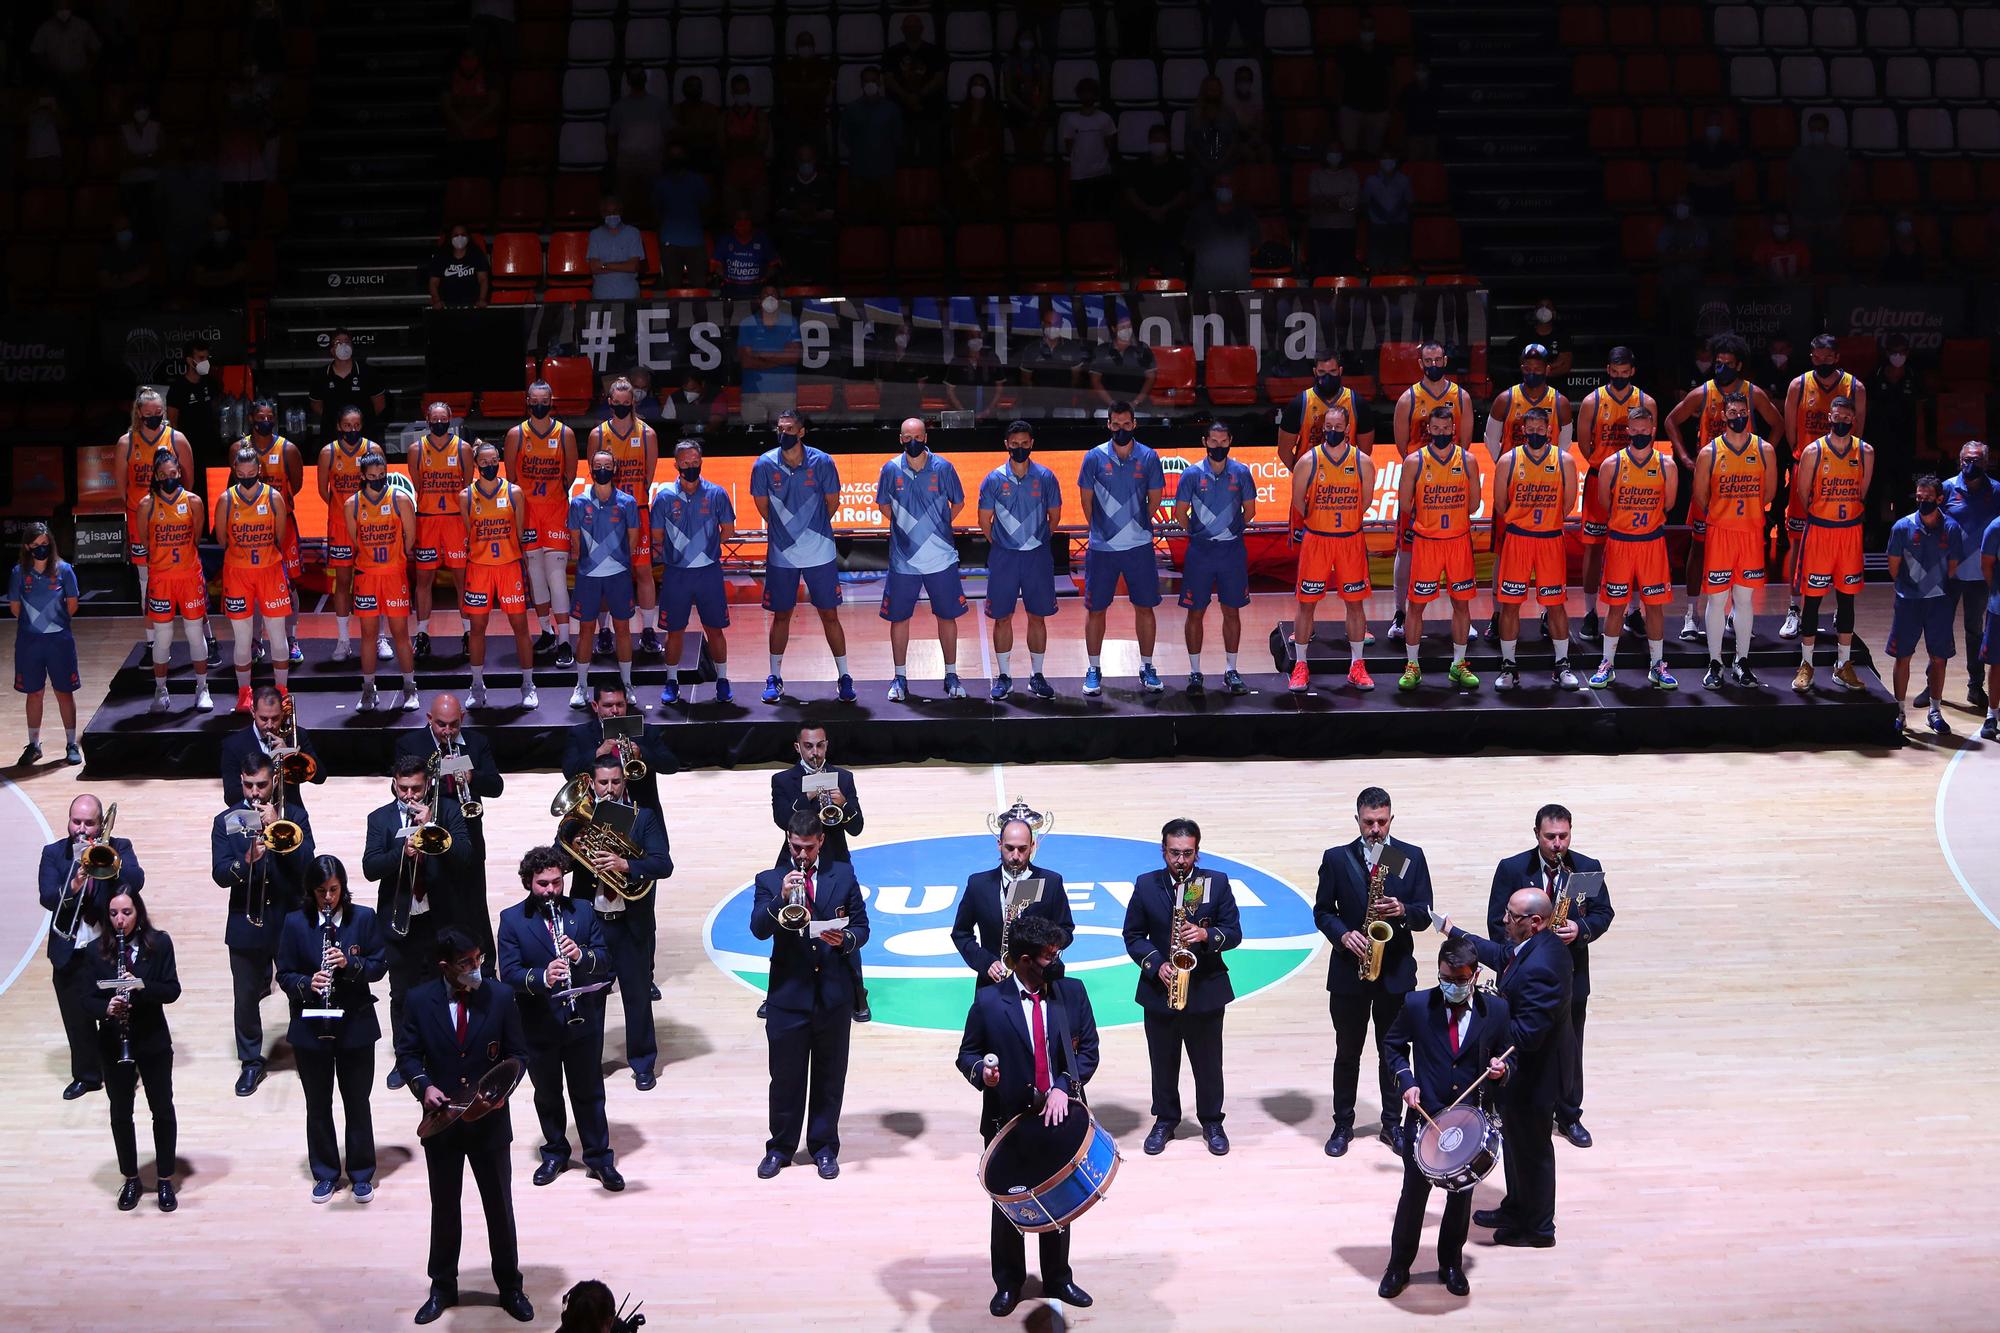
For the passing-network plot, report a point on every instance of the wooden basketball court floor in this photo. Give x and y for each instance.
(1790, 1075)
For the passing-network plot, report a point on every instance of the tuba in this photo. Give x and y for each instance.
(1375, 926)
(1187, 896)
(100, 858)
(583, 835)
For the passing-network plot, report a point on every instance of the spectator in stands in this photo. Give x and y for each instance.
(1219, 237)
(1052, 368)
(697, 126)
(680, 201)
(804, 93)
(222, 265)
(1086, 138)
(66, 49)
(1388, 200)
(1028, 89)
(872, 128)
(1333, 200)
(139, 160)
(42, 142)
(978, 147)
(744, 259)
(644, 406)
(1213, 144)
(974, 379)
(1906, 261)
(1780, 256)
(1817, 172)
(124, 269)
(459, 273)
(1234, 24)
(1892, 419)
(1773, 373)
(767, 349)
(915, 72)
(1683, 245)
(746, 152)
(347, 381)
(1252, 122)
(616, 254)
(1364, 89)
(191, 405)
(689, 405)
(902, 372)
(1714, 162)
(805, 215)
(1542, 325)
(1419, 104)
(636, 137)
(1122, 369)
(1154, 195)
(472, 117)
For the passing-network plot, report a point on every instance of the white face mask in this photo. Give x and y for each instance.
(201, 366)
(342, 351)
(974, 344)
(1897, 358)
(1778, 360)
(770, 305)
(1124, 334)
(1544, 315)
(902, 341)
(460, 242)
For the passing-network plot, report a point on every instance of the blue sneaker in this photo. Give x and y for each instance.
(899, 690)
(952, 688)
(1195, 688)
(363, 1191)
(1661, 678)
(670, 693)
(847, 695)
(774, 686)
(1093, 681)
(1038, 685)
(1149, 680)
(1003, 685)
(1234, 683)
(296, 656)
(323, 1191)
(1602, 677)
(723, 693)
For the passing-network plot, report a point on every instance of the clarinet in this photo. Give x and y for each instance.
(326, 1032)
(571, 1014)
(124, 1019)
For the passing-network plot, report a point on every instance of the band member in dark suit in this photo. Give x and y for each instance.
(1439, 1043)
(135, 1023)
(788, 799)
(1340, 909)
(629, 927)
(320, 974)
(76, 904)
(1548, 866)
(1534, 973)
(434, 885)
(1041, 1028)
(444, 733)
(452, 1033)
(586, 741)
(550, 943)
(264, 886)
(265, 735)
(977, 929)
(809, 1016)
(1211, 928)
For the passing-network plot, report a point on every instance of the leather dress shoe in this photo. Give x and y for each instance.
(128, 1197)
(394, 1081)
(646, 1082)
(168, 1202)
(1336, 1142)
(1218, 1142)
(434, 1307)
(516, 1304)
(1526, 1240)
(1393, 1283)
(1156, 1141)
(1387, 1134)
(1454, 1281)
(80, 1087)
(247, 1081)
(1575, 1133)
(1071, 1294)
(1003, 1303)
(1490, 1217)
(608, 1177)
(654, 995)
(773, 1163)
(550, 1168)
(828, 1164)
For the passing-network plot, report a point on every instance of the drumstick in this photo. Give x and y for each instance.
(1476, 1082)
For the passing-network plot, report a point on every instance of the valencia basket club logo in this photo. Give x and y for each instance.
(916, 978)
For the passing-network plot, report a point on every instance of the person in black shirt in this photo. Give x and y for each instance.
(901, 374)
(1121, 370)
(1542, 325)
(348, 382)
(1052, 367)
(191, 406)
(973, 379)
(459, 272)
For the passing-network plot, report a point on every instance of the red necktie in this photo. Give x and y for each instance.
(1451, 1029)
(461, 1024)
(809, 890)
(1550, 871)
(1041, 1045)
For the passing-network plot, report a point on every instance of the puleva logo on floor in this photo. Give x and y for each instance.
(916, 978)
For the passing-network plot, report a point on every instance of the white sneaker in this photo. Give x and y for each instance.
(529, 699)
(1790, 629)
(476, 696)
(202, 703)
(408, 701)
(383, 648)
(370, 696)
(579, 698)
(342, 650)
(162, 701)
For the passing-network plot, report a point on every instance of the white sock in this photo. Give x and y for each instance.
(1410, 646)
(1656, 649)
(1353, 654)
(582, 673)
(1035, 661)
(69, 734)
(649, 618)
(243, 678)
(562, 631)
(1457, 654)
(840, 667)
(1229, 661)
(1562, 649)
(34, 735)
(1094, 665)
(479, 676)
(423, 624)
(1688, 619)
(279, 673)
(1744, 600)
(625, 674)
(340, 627)
(1005, 661)
(1194, 664)
(1805, 650)
(1145, 664)
(368, 680)
(1718, 615)
(777, 664)
(410, 681)
(1842, 652)
(901, 671)
(1507, 647)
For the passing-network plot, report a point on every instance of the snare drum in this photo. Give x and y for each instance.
(1043, 1177)
(1458, 1149)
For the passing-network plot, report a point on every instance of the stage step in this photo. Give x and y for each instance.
(1328, 654)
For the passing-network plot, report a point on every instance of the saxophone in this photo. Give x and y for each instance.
(1187, 894)
(1375, 926)
(1561, 912)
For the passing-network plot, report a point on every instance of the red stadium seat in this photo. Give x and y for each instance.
(1680, 27)
(1305, 127)
(1612, 129)
(1663, 127)
(1629, 27)
(573, 381)
(1867, 238)
(863, 254)
(1774, 129)
(44, 210)
(1971, 241)
(1628, 183)
(517, 259)
(1037, 249)
(1232, 375)
(979, 251)
(1256, 185)
(1952, 182)
(1859, 353)
(534, 95)
(1335, 26)
(568, 263)
(1966, 363)
(1639, 239)
(1295, 80)
(1429, 183)
(1893, 182)
(650, 274)
(512, 404)
(1275, 283)
(531, 147)
(1434, 243)
(919, 192)
(576, 198)
(1647, 75)
(919, 252)
(1285, 389)
(1697, 74)
(1173, 379)
(1034, 191)
(91, 209)
(862, 397)
(1093, 249)
(1397, 368)
(1159, 285)
(524, 201)
(1581, 26)
(1594, 76)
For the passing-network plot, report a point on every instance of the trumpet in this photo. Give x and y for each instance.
(794, 914)
(576, 806)
(430, 839)
(1187, 896)
(628, 755)
(468, 805)
(828, 811)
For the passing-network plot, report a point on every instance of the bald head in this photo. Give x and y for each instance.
(445, 716)
(86, 816)
(1527, 912)
(914, 436)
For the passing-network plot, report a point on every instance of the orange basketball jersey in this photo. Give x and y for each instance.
(1444, 491)
(171, 543)
(1836, 497)
(541, 463)
(1816, 407)
(1638, 496)
(1334, 504)
(494, 541)
(1518, 404)
(378, 535)
(248, 527)
(1535, 506)
(439, 475)
(1735, 499)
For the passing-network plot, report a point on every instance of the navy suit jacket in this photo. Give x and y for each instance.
(996, 1024)
(788, 795)
(655, 862)
(486, 780)
(1522, 870)
(360, 937)
(810, 974)
(1341, 905)
(280, 878)
(428, 1052)
(1536, 986)
(1418, 1047)
(53, 875)
(580, 752)
(975, 931)
(241, 745)
(149, 1020)
(452, 894)
(1148, 923)
(526, 948)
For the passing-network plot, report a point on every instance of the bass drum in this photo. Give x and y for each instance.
(1458, 1149)
(1043, 1177)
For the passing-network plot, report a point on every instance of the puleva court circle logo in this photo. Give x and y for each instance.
(916, 978)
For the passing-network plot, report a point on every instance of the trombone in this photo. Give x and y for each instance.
(576, 806)
(76, 846)
(430, 839)
(294, 764)
(100, 858)
(468, 805)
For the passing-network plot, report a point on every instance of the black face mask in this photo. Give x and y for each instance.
(1434, 373)
(376, 484)
(488, 471)
(1840, 429)
(151, 422)
(1020, 455)
(1217, 452)
(351, 436)
(1326, 385)
(692, 472)
(1640, 441)
(787, 441)
(538, 410)
(1827, 372)
(621, 410)
(264, 427)
(166, 485)
(440, 428)
(1738, 424)
(1536, 441)
(1441, 442)
(1533, 379)
(1121, 437)
(39, 552)
(1725, 375)
(1619, 382)
(914, 448)
(1334, 437)
(603, 476)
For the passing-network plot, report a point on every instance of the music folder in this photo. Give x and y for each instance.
(1024, 895)
(616, 817)
(455, 766)
(812, 784)
(629, 727)
(1394, 861)
(1584, 884)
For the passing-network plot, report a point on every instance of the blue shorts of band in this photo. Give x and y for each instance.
(700, 590)
(46, 659)
(781, 587)
(1215, 569)
(1101, 570)
(1934, 619)
(1989, 642)
(944, 589)
(1026, 577)
(609, 594)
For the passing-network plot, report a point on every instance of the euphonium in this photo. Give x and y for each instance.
(1187, 894)
(576, 806)
(100, 858)
(1375, 926)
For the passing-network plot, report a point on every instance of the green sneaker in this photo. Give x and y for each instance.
(1412, 677)
(1461, 676)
